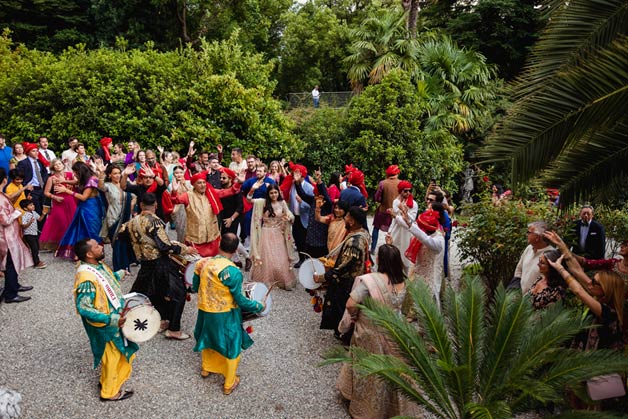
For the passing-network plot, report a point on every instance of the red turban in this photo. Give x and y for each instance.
(428, 221)
(104, 142)
(356, 178)
(286, 185)
(228, 172)
(199, 176)
(28, 147)
(298, 168)
(404, 184)
(349, 168)
(392, 170)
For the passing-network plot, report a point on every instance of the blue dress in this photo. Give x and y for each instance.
(86, 223)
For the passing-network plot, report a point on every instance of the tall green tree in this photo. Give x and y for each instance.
(313, 44)
(568, 124)
(384, 127)
(47, 24)
(482, 359)
(502, 30)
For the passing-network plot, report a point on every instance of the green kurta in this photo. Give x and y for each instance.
(222, 331)
(99, 335)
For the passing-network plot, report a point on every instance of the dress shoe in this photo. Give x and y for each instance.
(24, 288)
(17, 299)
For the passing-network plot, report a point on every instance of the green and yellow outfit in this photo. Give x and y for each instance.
(100, 320)
(219, 333)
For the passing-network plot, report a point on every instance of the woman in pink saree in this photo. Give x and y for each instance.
(63, 207)
(370, 397)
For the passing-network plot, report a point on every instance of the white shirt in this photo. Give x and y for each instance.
(238, 167)
(315, 93)
(528, 266)
(48, 155)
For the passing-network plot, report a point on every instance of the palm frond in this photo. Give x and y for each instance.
(414, 351)
(464, 313)
(508, 317)
(575, 86)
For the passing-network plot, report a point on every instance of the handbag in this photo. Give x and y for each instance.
(606, 387)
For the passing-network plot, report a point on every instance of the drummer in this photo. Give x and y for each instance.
(219, 334)
(158, 278)
(99, 302)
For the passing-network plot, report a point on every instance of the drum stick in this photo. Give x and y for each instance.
(268, 292)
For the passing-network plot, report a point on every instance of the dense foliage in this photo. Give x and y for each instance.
(568, 124)
(218, 94)
(495, 235)
(482, 358)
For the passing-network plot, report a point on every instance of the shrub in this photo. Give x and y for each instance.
(215, 95)
(495, 235)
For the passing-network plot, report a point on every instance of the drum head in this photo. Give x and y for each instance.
(134, 299)
(306, 273)
(188, 277)
(142, 323)
(257, 291)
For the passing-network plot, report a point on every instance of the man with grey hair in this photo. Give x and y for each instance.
(528, 269)
(590, 238)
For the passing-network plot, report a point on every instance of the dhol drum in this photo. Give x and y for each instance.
(186, 265)
(308, 269)
(142, 320)
(257, 291)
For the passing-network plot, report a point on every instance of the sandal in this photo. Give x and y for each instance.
(205, 374)
(163, 326)
(169, 335)
(122, 395)
(228, 391)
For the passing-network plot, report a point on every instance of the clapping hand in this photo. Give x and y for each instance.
(129, 169)
(161, 150)
(240, 178)
(175, 184)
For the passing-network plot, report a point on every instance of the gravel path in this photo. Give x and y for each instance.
(46, 358)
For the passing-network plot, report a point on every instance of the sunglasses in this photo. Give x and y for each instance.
(407, 190)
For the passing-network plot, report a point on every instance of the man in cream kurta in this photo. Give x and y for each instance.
(202, 206)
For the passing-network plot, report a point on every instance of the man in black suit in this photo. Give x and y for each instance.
(590, 239)
(35, 174)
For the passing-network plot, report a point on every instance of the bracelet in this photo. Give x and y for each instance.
(569, 279)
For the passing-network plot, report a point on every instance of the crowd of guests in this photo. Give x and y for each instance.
(267, 218)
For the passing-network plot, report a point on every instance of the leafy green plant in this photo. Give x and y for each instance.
(495, 235)
(218, 94)
(615, 222)
(479, 359)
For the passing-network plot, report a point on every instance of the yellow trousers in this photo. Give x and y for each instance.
(212, 361)
(115, 371)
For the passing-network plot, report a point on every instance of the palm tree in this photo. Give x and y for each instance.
(569, 124)
(479, 359)
(380, 44)
(457, 83)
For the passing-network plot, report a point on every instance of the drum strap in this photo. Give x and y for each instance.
(111, 294)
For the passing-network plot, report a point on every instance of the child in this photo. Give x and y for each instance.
(29, 227)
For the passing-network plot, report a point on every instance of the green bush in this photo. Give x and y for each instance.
(615, 222)
(218, 94)
(384, 127)
(495, 235)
